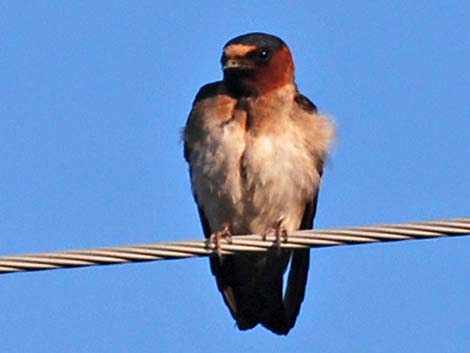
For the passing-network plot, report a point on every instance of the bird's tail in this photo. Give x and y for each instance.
(283, 315)
(252, 288)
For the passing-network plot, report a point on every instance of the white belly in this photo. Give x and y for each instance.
(252, 182)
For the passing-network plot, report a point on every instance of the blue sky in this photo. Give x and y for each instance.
(93, 96)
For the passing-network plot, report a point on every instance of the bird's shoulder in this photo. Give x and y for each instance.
(209, 90)
(192, 128)
(304, 103)
(212, 101)
(212, 106)
(316, 129)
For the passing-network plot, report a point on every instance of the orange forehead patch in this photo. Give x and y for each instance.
(239, 50)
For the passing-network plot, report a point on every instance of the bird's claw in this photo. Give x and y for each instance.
(215, 239)
(280, 233)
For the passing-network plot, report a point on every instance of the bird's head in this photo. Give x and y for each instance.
(256, 63)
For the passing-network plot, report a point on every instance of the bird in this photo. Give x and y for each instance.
(256, 148)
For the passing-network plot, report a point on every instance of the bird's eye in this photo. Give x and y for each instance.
(264, 54)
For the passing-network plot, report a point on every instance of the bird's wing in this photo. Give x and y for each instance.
(298, 274)
(207, 91)
(223, 271)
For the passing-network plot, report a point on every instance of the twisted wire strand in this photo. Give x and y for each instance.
(246, 243)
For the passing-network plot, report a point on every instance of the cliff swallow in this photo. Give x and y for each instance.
(256, 149)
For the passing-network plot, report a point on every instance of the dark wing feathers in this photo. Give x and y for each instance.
(230, 282)
(298, 274)
(207, 91)
(305, 103)
(205, 224)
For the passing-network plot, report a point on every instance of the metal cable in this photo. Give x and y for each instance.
(251, 243)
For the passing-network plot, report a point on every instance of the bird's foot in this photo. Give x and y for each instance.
(216, 238)
(280, 233)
